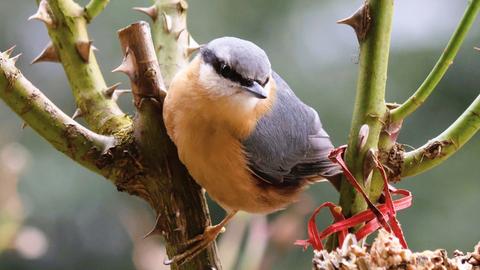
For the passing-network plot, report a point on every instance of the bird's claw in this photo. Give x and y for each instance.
(196, 245)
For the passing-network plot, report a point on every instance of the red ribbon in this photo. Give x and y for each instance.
(383, 215)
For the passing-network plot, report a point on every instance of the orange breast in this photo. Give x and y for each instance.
(208, 134)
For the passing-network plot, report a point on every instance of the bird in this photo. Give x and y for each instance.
(243, 134)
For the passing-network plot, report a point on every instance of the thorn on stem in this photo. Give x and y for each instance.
(15, 58)
(192, 50)
(24, 125)
(167, 22)
(179, 34)
(49, 54)
(127, 66)
(83, 49)
(152, 11)
(118, 93)
(192, 42)
(182, 5)
(109, 91)
(363, 136)
(9, 51)
(43, 14)
(77, 113)
(113, 93)
(359, 21)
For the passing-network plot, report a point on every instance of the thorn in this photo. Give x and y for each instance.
(109, 91)
(363, 135)
(118, 93)
(9, 51)
(43, 14)
(83, 49)
(15, 58)
(77, 113)
(24, 125)
(179, 34)
(49, 54)
(183, 5)
(167, 22)
(192, 42)
(127, 66)
(359, 21)
(152, 11)
(192, 50)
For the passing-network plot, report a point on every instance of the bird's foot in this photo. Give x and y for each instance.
(197, 244)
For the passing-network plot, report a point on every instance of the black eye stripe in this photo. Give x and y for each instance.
(224, 69)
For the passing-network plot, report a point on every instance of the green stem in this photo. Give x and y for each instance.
(171, 37)
(442, 65)
(444, 145)
(369, 106)
(68, 32)
(66, 135)
(94, 8)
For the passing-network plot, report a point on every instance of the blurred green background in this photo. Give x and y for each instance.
(57, 215)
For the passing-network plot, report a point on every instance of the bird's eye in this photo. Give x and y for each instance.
(225, 70)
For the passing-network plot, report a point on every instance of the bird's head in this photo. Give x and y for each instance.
(235, 68)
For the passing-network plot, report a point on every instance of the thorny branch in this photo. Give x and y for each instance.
(189, 206)
(66, 135)
(67, 26)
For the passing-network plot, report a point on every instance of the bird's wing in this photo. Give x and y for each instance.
(289, 144)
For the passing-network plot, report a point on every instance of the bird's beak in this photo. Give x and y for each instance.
(257, 90)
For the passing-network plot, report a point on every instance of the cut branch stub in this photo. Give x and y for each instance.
(147, 81)
(49, 54)
(359, 21)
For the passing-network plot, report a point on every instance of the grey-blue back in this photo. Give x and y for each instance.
(289, 144)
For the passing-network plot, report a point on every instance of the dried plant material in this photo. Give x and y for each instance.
(386, 252)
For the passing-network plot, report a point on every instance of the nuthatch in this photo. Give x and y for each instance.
(243, 134)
